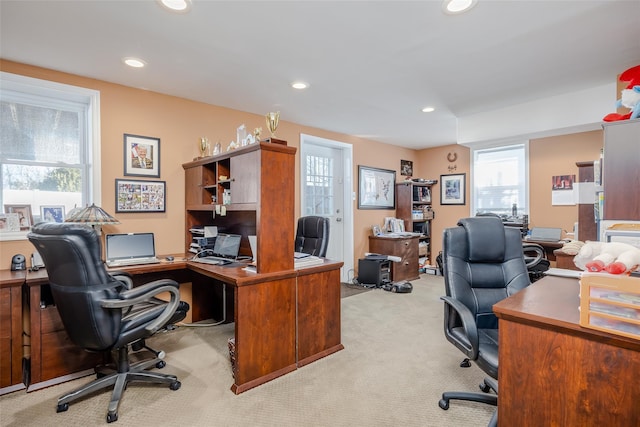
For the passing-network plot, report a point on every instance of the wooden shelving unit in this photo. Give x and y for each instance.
(413, 206)
(250, 175)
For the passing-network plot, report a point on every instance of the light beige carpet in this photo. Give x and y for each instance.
(395, 365)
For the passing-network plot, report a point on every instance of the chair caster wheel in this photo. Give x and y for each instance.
(112, 417)
(465, 363)
(175, 385)
(161, 364)
(444, 404)
(63, 407)
(485, 388)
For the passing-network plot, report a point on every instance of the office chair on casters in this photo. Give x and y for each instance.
(101, 313)
(483, 264)
(312, 235)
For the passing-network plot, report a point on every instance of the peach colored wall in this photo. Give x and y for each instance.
(431, 164)
(179, 123)
(547, 157)
(554, 156)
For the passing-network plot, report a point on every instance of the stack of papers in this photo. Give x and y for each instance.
(307, 261)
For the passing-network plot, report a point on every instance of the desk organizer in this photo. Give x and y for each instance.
(610, 303)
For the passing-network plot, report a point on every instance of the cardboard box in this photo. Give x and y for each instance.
(610, 303)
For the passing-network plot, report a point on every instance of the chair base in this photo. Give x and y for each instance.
(484, 397)
(119, 377)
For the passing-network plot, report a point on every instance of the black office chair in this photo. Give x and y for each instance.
(312, 235)
(535, 259)
(103, 314)
(534, 255)
(483, 264)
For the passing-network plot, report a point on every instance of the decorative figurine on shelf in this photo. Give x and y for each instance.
(204, 146)
(232, 146)
(629, 97)
(241, 135)
(256, 134)
(217, 149)
(273, 119)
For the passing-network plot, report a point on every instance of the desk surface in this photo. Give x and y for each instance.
(553, 302)
(233, 274)
(10, 278)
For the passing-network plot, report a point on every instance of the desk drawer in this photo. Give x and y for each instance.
(61, 357)
(5, 313)
(50, 320)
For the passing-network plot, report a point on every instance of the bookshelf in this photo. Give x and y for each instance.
(413, 206)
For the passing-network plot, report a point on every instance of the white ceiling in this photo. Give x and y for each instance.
(372, 65)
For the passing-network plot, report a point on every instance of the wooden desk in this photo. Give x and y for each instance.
(11, 330)
(553, 372)
(548, 246)
(283, 320)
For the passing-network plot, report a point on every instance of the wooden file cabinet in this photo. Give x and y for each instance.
(406, 248)
(11, 378)
(54, 358)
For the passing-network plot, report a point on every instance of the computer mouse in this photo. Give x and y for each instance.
(169, 258)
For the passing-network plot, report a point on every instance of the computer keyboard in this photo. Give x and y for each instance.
(130, 262)
(212, 260)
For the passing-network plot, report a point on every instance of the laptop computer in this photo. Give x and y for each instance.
(130, 249)
(225, 250)
(546, 234)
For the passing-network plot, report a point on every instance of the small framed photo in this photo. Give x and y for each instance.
(140, 196)
(452, 189)
(9, 222)
(376, 188)
(25, 217)
(406, 168)
(53, 213)
(141, 156)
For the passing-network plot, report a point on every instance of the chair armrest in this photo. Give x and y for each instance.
(144, 293)
(470, 348)
(124, 277)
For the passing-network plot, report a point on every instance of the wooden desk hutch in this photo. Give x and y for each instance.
(303, 306)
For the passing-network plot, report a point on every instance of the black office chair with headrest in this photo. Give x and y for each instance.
(312, 235)
(101, 313)
(483, 264)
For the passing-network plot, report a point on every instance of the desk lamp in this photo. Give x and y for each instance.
(92, 215)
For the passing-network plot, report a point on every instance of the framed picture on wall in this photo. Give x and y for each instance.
(140, 196)
(376, 188)
(141, 156)
(406, 168)
(452, 189)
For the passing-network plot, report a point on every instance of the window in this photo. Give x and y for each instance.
(49, 146)
(501, 179)
(318, 189)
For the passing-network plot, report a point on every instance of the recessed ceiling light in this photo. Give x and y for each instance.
(299, 85)
(453, 7)
(134, 62)
(176, 5)
(428, 109)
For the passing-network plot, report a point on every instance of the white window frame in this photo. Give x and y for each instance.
(29, 86)
(498, 146)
